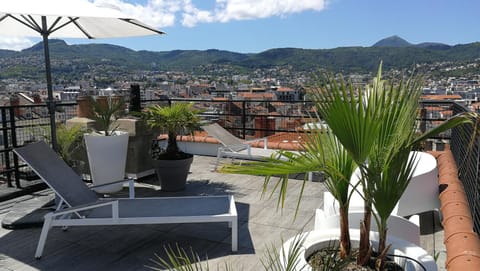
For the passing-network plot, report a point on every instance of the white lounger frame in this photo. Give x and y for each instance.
(80, 206)
(63, 218)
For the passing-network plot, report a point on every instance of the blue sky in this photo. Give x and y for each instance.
(251, 26)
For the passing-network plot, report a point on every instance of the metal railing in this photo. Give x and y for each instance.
(246, 119)
(250, 118)
(467, 157)
(21, 124)
(465, 146)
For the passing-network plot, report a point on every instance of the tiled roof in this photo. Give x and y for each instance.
(441, 97)
(256, 95)
(434, 108)
(285, 89)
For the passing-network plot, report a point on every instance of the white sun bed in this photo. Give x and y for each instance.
(82, 207)
(234, 147)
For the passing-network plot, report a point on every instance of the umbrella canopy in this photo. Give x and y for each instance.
(66, 19)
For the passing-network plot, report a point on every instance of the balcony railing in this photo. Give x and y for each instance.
(246, 119)
(467, 158)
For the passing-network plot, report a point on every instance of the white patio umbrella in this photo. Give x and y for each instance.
(66, 19)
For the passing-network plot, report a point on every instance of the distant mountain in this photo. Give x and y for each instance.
(434, 46)
(396, 41)
(393, 41)
(58, 44)
(187, 58)
(75, 61)
(6, 53)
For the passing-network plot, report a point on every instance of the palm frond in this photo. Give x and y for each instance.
(287, 259)
(278, 171)
(69, 140)
(178, 260)
(348, 116)
(106, 111)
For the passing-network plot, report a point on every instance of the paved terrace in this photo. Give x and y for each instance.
(132, 247)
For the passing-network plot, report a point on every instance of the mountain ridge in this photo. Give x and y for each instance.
(77, 59)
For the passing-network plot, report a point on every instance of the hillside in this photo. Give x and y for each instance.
(72, 61)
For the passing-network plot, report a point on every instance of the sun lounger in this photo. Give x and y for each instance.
(233, 147)
(82, 207)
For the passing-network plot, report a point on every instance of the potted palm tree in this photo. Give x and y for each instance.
(106, 146)
(172, 164)
(374, 130)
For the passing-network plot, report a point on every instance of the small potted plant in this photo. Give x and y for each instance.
(69, 140)
(172, 164)
(69, 143)
(106, 146)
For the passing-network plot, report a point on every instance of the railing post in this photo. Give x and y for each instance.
(244, 118)
(5, 146)
(13, 126)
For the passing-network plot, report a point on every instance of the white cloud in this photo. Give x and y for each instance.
(15, 43)
(163, 13)
(230, 10)
(193, 15)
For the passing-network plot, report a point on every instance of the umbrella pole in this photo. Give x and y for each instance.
(48, 71)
